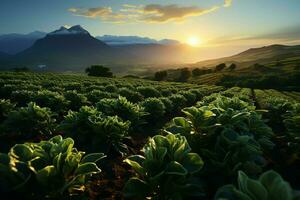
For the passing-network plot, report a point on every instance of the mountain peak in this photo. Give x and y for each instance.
(77, 29)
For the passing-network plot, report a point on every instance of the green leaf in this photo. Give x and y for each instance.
(160, 153)
(21, 152)
(276, 186)
(256, 190)
(176, 169)
(192, 162)
(161, 141)
(93, 157)
(44, 175)
(87, 168)
(135, 162)
(56, 139)
(136, 189)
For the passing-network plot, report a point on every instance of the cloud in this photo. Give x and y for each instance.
(105, 13)
(164, 13)
(227, 3)
(152, 13)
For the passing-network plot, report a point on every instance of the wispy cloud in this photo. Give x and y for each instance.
(104, 13)
(164, 13)
(227, 3)
(152, 13)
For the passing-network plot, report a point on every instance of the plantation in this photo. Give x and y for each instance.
(78, 137)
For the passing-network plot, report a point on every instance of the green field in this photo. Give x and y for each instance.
(67, 136)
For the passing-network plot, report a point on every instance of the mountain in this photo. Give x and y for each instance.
(68, 49)
(114, 40)
(3, 55)
(156, 53)
(260, 55)
(15, 43)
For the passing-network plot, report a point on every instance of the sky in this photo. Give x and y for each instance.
(228, 24)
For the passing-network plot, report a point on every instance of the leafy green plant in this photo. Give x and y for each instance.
(28, 122)
(5, 108)
(155, 109)
(148, 91)
(165, 170)
(123, 109)
(48, 169)
(269, 186)
(94, 131)
(76, 101)
(179, 102)
(228, 134)
(131, 95)
(96, 95)
(52, 100)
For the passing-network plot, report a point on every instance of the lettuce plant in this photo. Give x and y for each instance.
(29, 122)
(53, 100)
(5, 108)
(269, 186)
(123, 109)
(155, 109)
(229, 136)
(165, 170)
(48, 169)
(94, 131)
(76, 101)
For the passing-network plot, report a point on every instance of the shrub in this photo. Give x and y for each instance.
(164, 171)
(98, 70)
(160, 76)
(50, 169)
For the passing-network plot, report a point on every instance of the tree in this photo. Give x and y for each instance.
(161, 75)
(197, 72)
(220, 67)
(185, 74)
(232, 67)
(98, 70)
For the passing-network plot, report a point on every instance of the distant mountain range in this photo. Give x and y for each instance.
(73, 49)
(262, 55)
(15, 43)
(133, 40)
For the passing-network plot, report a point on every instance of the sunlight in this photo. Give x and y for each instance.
(194, 41)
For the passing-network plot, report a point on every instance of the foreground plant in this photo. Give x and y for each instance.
(28, 122)
(96, 132)
(164, 171)
(269, 186)
(49, 169)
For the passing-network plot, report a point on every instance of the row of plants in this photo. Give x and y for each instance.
(232, 151)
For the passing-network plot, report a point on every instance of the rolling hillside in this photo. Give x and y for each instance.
(262, 55)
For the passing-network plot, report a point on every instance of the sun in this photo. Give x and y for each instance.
(194, 41)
